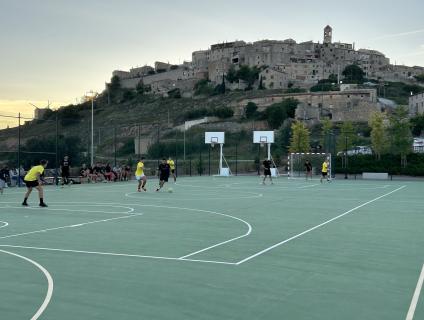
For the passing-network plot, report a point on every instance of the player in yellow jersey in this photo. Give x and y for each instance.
(324, 170)
(172, 166)
(140, 176)
(33, 179)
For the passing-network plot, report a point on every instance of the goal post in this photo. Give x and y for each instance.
(296, 164)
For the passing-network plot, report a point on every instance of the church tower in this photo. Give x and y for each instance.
(328, 34)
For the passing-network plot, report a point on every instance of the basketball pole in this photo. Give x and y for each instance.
(220, 158)
(269, 151)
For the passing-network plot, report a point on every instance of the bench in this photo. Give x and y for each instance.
(375, 176)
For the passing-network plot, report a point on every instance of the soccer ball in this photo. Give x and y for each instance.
(170, 190)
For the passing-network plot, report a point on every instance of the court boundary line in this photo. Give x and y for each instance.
(117, 254)
(68, 226)
(82, 211)
(49, 278)
(416, 296)
(5, 224)
(184, 258)
(316, 227)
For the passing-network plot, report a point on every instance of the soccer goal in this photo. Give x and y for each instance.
(296, 164)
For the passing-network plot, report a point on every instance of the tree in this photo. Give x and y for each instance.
(353, 74)
(400, 134)
(223, 112)
(128, 95)
(250, 110)
(347, 137)
(378, 134)
(248, 75)
(282, 139)
(278, 112)
(321, 87)
(115, 84)
(420, 77)
(299, 141)
(232, 74)
(417, 125)
(203, 87)
(327, 127)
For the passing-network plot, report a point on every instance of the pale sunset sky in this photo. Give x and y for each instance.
(58, 50)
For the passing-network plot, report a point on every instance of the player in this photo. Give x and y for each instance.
(308, 169)
(324, 171)
(34, 179)
(267, 170)
(140, 176)
(65, 167)
(172, 167)
(164, 170)
(4, 176)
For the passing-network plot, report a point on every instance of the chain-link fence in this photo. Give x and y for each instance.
(27, 140)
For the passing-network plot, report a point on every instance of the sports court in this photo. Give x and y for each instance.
(215, 248)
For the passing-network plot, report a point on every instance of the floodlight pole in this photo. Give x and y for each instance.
(92, 131)
(92, 95)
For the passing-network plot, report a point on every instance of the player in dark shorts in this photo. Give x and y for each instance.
(65, 168)
(308, 169)
(267, 170)
(34, 179)
(164, 171)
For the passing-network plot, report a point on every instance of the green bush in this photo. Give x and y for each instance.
(389, 163)
(223, 112)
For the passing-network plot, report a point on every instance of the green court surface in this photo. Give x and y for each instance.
(215, 248)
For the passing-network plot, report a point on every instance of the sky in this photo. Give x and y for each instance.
(58, 50)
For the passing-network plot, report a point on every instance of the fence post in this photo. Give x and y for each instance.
(236, 158)
(56, 160)
(200, 163)
(19, 149)
(114, 144)
(190, 166)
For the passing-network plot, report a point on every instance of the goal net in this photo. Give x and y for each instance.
(296, 164)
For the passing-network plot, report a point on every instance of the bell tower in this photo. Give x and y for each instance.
(328, 34)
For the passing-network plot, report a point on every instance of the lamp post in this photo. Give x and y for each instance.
(92, 95)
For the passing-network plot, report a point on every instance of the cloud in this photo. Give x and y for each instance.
(401, 34)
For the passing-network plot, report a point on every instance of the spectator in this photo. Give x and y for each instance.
(4, 177)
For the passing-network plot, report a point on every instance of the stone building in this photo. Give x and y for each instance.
(302, 63)
(352, 105)
(416, 104)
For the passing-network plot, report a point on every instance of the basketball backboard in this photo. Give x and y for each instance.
(214, 137)
(263, 137)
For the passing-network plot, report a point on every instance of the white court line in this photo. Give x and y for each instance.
(130, 210)
(416, 296)
(118, 254)
(307, 186)
(316, 227)
(4, 224)
(249, 227)
(68, 226)
(49, 278)
(206, 198)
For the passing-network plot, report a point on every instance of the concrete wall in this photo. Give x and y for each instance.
(416, 104)
(354, 105)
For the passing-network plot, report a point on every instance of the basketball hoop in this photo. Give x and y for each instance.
(212, 145)
(262, 144)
